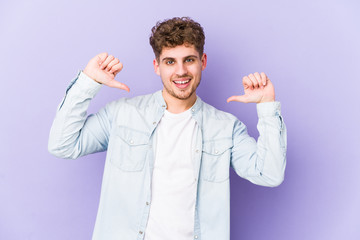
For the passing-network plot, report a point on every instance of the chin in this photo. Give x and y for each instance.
(183, 96)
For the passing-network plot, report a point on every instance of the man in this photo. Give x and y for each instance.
(166, 174)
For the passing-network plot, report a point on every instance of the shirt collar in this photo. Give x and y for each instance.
(162, 104)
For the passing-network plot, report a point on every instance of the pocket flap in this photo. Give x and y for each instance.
(217, 147)
(131, 136)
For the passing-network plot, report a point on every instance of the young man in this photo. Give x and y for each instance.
(166, 173)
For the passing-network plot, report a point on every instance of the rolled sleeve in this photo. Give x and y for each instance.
(268, 109)
(81, 85)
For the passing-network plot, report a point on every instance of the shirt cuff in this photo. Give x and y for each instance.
(88, 82)
(84, 85)
(268, 109)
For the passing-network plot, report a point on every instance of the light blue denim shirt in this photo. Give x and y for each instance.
(125, 128)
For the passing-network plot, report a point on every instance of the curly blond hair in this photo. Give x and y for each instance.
(177, 31)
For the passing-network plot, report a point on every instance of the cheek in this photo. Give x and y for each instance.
(165, 74)
(195, 70)
(164, 78)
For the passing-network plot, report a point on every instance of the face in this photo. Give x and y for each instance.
(180, 71)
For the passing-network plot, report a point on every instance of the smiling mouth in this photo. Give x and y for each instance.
(182, 82)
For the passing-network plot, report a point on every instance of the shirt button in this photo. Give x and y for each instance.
(193, 110)
(196, 237)
(197, 150)
(154, 123)
(140, 232)
(147, 203)
(216, 151)
(131, 142)
(195, 179)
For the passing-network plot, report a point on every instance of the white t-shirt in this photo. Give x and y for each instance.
(173, 184)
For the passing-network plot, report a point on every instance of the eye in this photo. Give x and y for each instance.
(169, 62)
(189, 60)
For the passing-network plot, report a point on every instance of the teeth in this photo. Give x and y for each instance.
(181, 82)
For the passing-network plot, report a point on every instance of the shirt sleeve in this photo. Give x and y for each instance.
(73, 133)
(262, 162)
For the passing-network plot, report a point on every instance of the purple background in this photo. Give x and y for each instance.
(309, 49)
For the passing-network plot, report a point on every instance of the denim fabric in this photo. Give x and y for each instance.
(125, 128)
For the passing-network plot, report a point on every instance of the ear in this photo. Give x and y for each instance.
(203, 61)
(156, 67)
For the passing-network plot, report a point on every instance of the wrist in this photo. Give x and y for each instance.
(89, 75)
(264, 100)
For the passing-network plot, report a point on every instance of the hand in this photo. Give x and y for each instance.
(103, 68)
(258, 89)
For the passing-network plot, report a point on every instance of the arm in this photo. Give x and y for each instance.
(73, 133)
(264, 162)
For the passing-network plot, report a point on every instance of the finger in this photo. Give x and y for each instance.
(241, 98)
(116, 84)
(107, 61)
(253, 80)
(116, 68)
(101, 57)
(247, 83)
(263, 79)
(112, 63)
(267, 80)
(258, 79)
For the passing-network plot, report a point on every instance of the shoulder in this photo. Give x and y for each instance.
(132, 109)
(134, 112)
(138, 102)
(211, 112)
(218, 124)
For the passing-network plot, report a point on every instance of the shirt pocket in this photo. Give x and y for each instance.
(129, 149)
(215, 160)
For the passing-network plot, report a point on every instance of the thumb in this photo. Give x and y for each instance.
(241, 98)
(116, 84)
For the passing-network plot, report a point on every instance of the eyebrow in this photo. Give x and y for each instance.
(171, 58)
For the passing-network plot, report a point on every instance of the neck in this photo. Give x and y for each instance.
(175, 105)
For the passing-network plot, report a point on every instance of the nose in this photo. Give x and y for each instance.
(181, 69)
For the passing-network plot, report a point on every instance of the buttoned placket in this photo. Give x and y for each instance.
(146, 213)
(197, 163)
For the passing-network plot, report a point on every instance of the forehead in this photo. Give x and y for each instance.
(180, 51)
